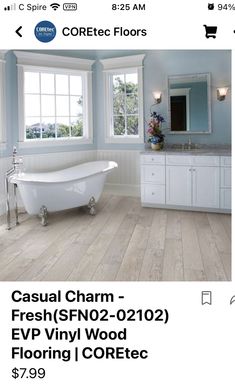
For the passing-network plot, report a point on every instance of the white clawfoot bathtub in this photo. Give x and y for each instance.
(64, 189)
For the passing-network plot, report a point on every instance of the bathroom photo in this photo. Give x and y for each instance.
(115, 165)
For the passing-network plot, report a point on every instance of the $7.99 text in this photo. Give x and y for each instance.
(32, 373)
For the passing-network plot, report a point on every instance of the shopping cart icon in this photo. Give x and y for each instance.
(210, 31)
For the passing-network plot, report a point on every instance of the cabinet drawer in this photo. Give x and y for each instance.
(225, 199)
(225, 177)
(158, 159)
(225, 161)
(178, 160)
(153, 194)
(153, 173)
(205, 160)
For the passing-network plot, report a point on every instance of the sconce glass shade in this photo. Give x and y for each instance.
(221, 93)
(157, 95)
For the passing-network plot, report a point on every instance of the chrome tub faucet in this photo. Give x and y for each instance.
(16, 161)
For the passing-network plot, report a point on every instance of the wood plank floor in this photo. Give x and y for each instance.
(122, 242)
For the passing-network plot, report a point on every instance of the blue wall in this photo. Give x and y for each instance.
(158, 65)
(161, 64)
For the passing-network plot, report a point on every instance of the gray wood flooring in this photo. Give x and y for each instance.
(122, 242)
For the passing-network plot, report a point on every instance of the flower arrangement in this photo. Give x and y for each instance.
(154, 129)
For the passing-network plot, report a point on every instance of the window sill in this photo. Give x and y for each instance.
(54, 142)
(123, 140)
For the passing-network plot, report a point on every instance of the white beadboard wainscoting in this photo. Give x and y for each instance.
(56, 161)
(125, 180)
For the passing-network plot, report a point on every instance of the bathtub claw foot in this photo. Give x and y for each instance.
(44, 215)
(91, 206)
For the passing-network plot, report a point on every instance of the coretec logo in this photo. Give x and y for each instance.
(45, 31)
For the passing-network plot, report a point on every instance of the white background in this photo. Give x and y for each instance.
(170, 24)
(196, 347)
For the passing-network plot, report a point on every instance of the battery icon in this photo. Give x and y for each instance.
(70, 7)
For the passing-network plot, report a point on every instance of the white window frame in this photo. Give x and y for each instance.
(2, 101)
(28, 61)
(115, 66)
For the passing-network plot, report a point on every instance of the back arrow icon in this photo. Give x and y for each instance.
(18, 31)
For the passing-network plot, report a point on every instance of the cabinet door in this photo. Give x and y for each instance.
(178, 185)
(206, 187)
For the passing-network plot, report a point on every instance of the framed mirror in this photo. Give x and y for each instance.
(189, 104)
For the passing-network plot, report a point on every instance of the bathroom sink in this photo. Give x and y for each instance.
(184, 147)
(195, 150)
(176, 147)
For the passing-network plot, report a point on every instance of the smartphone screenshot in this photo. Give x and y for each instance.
(116, 263)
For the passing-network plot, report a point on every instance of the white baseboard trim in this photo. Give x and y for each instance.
(122, 189)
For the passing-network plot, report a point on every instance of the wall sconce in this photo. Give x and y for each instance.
(157, 95)
(221, 93)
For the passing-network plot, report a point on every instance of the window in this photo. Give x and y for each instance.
(2, 100)
(54, 103)
(124, 99)
(125, 110)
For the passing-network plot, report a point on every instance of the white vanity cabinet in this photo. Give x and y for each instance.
(197, 182)
(192, 181)
(225, 182)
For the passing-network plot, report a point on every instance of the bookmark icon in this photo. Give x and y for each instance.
(206, 297)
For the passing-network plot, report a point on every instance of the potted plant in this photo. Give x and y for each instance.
(156, 138)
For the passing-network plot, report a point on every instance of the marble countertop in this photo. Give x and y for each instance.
(212, 151)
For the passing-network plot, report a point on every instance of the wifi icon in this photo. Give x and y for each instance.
(55, 6)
